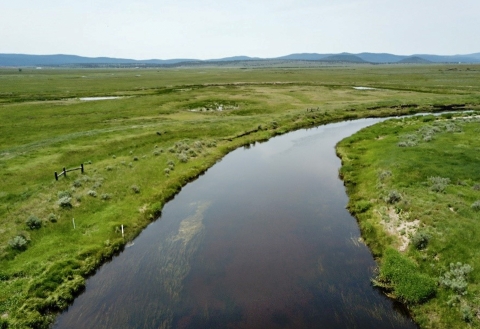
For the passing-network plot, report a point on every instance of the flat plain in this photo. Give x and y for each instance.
(167, 127)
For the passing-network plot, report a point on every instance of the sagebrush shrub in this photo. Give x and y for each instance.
(52, 218)
(476, 205)
(18, 243)
(65, 202)
(92, 193)
(62, 194)
(456, 277)
(106, 196)
(420, 239)
(135, 189)
(34, 223)
(438, 184)
(393, 197)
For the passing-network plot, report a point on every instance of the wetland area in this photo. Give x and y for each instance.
(262, 240)
(214, 199)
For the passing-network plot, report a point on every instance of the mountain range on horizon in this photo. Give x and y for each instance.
(25, 60)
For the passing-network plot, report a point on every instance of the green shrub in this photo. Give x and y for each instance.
(166, 171)
(438, 184)
(3, 323)
(135, 189)
(467, 313)
(92, 193)
(183, 157)
(62, 194)
(382, 175)
(393, 197)
(18, 243)
(456, 278)
(420, 239)
(135, 158)
(52, 218)
(109, 168)
(403, 276)
(77, 183)
(65, 202)
(33, 222)
(361, 206)
(476, 205)
(106, 196)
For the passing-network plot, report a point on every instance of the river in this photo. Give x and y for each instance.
(261, 240)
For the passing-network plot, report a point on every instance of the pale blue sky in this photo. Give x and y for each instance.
(206, 29)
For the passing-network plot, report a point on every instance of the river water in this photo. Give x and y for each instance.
(262, 240)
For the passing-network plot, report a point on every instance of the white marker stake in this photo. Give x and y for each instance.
(73, 221)
(122, 231)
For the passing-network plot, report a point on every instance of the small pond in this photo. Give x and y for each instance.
(262, 240)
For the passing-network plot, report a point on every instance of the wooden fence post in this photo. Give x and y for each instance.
(64, 172)
(82, 167)
(56, 176)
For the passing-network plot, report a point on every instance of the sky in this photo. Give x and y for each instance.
(209, 29)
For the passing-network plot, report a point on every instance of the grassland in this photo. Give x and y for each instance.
(139, 151)
(414, 185)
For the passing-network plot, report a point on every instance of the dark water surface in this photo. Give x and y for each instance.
(262, 240)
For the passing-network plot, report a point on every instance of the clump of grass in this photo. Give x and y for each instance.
(77, 183)
(211, 143)
(62, 194)
(109, 168)
(92, 193)
(393, 197)
(33, 222)
(114, 156)
(401, 274)
(135, 158)
(476, 205)
(166, 171)
(438, 184)
(384, 174)
(135, 188)
(456, 278)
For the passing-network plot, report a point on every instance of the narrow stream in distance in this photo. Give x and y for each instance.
(262, 240)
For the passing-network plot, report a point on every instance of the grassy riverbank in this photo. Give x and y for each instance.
(139, 150)
(414, 185)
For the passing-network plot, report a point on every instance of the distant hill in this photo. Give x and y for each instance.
(380, 57)
(414, 60)
(347, 58)
(20, 60)
(56, 60)
(304, 57)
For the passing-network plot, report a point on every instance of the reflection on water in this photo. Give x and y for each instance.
(263, 240)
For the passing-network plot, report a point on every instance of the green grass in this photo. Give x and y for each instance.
(436, 177)
(139, 150)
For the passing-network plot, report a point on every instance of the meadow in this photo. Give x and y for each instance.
(167, 127)
(414, 187)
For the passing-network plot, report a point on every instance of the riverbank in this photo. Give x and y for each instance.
(138, 152)
(413, 185)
